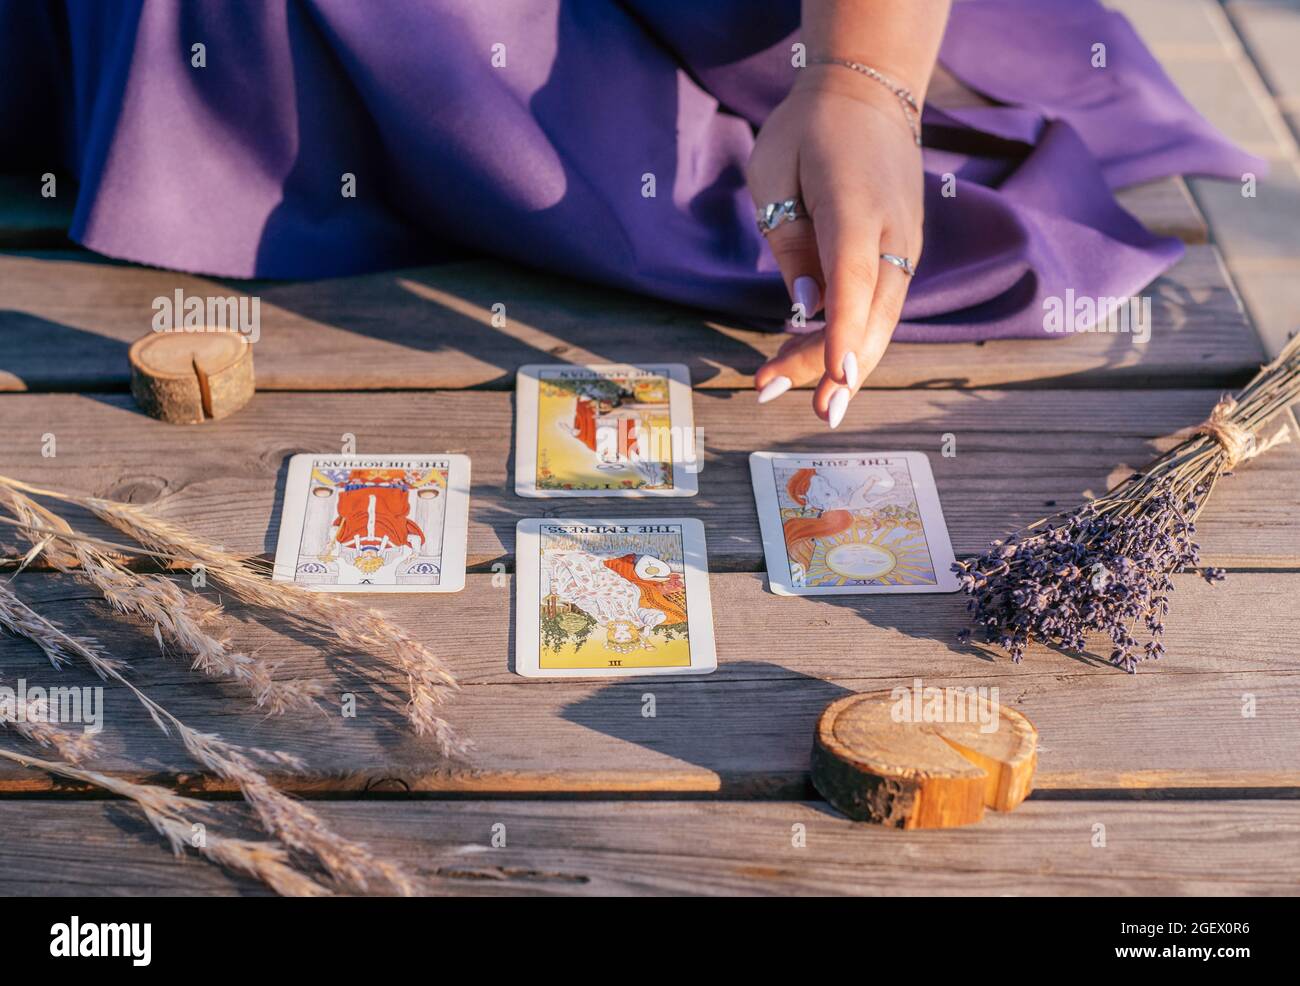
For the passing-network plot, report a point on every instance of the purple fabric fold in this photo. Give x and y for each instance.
(235, 169)
(1132, 118)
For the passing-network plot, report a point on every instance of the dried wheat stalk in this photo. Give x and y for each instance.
(330, 617)
(178, 617)
(74, 747)
(170, 814)
(299, 828)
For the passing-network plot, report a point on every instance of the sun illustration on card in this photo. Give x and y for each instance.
(888, 556)
(853, 526)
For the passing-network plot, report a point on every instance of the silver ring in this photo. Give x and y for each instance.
(902, 263)
(774, 214)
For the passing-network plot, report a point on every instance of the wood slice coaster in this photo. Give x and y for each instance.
(907, 774)
(189, 377)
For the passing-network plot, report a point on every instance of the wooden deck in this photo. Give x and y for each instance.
(1191, 795)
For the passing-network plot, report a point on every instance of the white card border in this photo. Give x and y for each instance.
(762, 478)
(455, 528)
(680, 410)
(699, 602)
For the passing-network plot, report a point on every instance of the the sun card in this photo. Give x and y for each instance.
(850, 523)
(614, 430)
(375, 523)
(612, 598)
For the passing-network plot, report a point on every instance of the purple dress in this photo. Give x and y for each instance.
(524, 129)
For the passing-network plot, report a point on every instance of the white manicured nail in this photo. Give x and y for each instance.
(839, 404)
(808, 294)
(774, 389)
(850, 368)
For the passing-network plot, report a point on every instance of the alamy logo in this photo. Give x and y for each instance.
(61, 704)
(191, 313)
(75, 940)
(629, 442)
(929, 703)
(1082, 313)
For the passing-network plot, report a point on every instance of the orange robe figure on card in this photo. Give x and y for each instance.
(666, 594)
(584, 422)
(369, 515)
(802, 532)
(586, 429)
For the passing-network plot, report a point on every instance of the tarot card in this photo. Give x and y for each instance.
(848, 523)
(375, 523)
(615, 430)
(612, 598)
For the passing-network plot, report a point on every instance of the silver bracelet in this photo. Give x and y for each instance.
(904, 95)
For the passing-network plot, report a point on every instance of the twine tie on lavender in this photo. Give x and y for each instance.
(1238, 443)
(1107, 566)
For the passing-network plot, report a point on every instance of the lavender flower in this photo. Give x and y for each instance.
(1108, 565)
(1096, 569)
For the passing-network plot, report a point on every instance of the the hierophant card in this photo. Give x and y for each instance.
(375, 523)
(615, 430)
(612, 597)
(847, 523)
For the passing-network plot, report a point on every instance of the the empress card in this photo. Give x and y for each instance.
(847, 523)
(613, 430)
(612, 597)
(375, 523)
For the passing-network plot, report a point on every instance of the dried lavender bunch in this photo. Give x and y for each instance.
(1108, 565)
(1091, 570)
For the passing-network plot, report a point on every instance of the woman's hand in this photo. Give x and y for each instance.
(841, 143)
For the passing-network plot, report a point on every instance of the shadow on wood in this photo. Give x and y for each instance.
(708, 725)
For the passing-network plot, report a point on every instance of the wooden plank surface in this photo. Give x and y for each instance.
(1178, 727)
(57, 848)
(1166, 206)
(744, 731)
(66, 320)
(28, 220)
(1020, 455)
